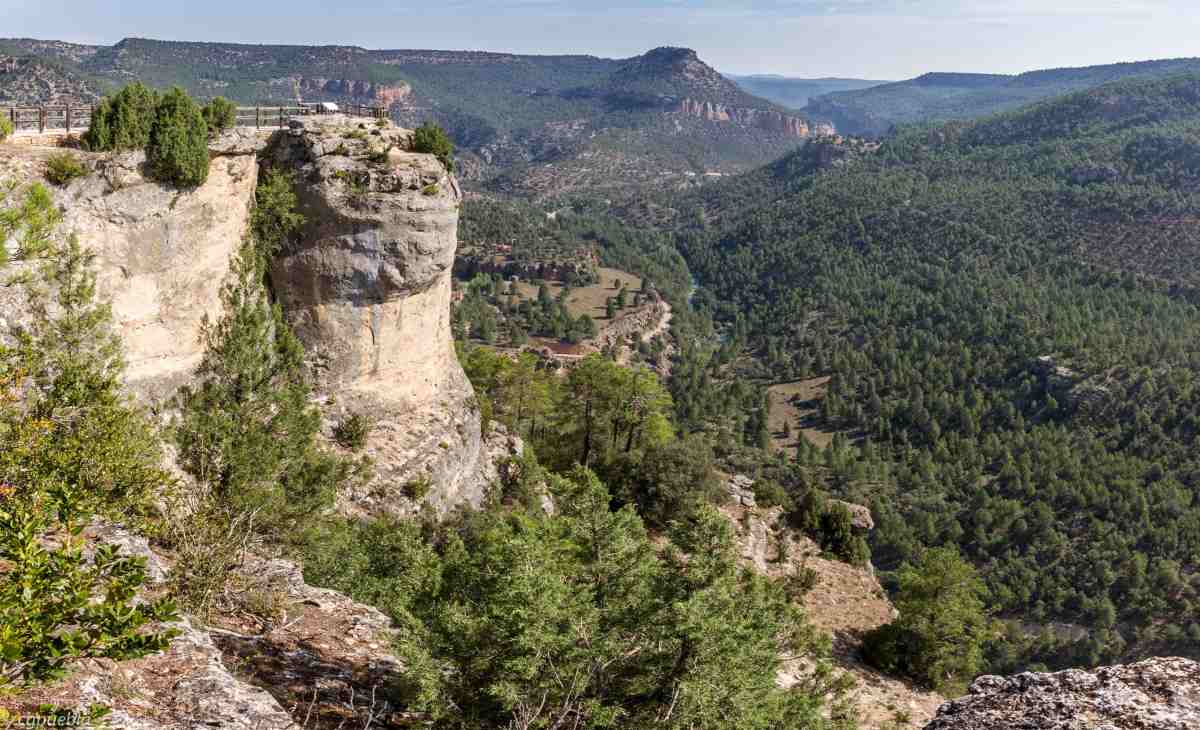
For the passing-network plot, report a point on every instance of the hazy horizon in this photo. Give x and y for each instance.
(872, 39)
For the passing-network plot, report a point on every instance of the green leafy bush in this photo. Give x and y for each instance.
(56, 606)
(431, 139)
(220, 114)
(64, 167)
(352, 432)
(177, 150)
(6, 127)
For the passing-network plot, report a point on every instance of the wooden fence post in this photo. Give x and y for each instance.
(257, 117)
(41, 120)
(68, 119)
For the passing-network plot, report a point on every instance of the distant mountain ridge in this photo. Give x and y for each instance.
(794, 93)
(945, 96)
(529, 125)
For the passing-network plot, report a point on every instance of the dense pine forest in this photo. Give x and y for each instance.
(1007, 310)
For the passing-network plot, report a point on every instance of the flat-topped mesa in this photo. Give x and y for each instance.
(366, 283)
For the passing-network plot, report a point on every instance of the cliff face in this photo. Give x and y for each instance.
(768, 119)
(366, 287)
(353, 89)
(1155, 694)
(161, 254)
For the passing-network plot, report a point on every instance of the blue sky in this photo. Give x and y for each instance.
(863, 38)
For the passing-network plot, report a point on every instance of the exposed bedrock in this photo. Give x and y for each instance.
(366, 287)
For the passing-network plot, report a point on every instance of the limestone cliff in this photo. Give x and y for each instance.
(768, 119)
(1155, 694)
(161, 253)
(366, 287)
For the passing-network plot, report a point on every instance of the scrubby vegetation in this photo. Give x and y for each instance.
(942, 629)
(170, 127)
(1007, 313)
(6, 127)
(352, 431)
(500, 605)
(63, 167)
(431, 139)
(72, 447)
(177, 150)
(220, 114)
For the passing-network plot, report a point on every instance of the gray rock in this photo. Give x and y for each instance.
(366, 287)
(1155, 694)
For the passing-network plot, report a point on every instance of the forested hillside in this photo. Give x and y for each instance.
(944, 96)
(1008, 313)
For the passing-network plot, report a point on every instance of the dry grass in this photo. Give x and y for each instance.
(796, 404)
(589, 299)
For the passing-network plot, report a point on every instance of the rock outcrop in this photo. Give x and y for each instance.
(366, 287)
(1155, 694)
(358, 90)
(161, 253)
(322, 661)
(846, 601)
(768, 119)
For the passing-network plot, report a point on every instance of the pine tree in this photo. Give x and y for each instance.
(177, 148)
(248, 428)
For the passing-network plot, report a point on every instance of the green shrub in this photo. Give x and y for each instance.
(770, 493)
(838, 537)
(430, 190)
(942, 627)
(178, 146)
(6, 127)
(220, 114)
(418, 488)
(352, 431)
(64, 167)
(124, 121)
(274, 218)
(379, 156)
(431, 139)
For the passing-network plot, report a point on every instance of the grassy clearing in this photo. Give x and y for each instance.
(589, 299)
(796, 404)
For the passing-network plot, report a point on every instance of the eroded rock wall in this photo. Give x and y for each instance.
(366, 287)
(161, 253)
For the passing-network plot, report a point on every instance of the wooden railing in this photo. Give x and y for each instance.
(68, 119)
(42, 119)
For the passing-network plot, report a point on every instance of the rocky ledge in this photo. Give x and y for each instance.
(1155, 694)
